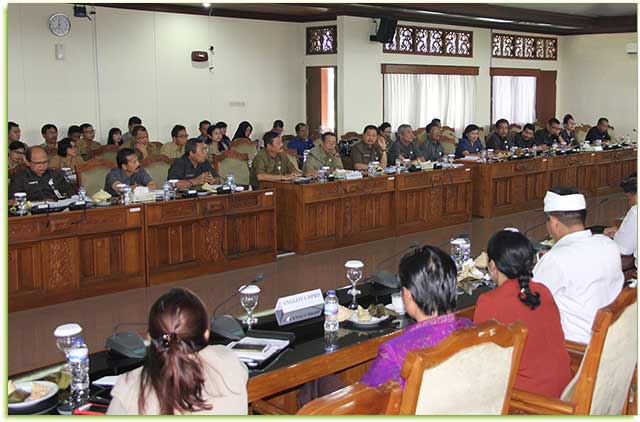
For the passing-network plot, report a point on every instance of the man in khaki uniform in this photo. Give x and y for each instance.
(271, 163)
(323, 155)
(371, 148)
(175, 148)
(87, 143)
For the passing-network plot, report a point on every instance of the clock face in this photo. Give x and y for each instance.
(59, 25)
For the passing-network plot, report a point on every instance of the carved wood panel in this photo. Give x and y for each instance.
(210, 247)
(101, 257)
(23, 268)
(60, 265)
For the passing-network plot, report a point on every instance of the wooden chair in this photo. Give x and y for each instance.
(482, 136)
(471, 372)
(92, 174)
(581, 133)
(245, 146)
(106, 152)
(292, 154)
(232, 162)
(154, 147)
(158, 168)
(602, 383)
(448, 140)
(17, 169)
(515, 128)
(286, 139)
(351, 136)
(358, 399)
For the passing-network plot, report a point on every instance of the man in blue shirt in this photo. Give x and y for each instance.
(301, 142)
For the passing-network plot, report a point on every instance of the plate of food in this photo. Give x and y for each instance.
(25, 396)
(363, 318)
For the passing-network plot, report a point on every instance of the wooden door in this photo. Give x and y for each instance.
(546, 95)
(314, 97)
(321, 92)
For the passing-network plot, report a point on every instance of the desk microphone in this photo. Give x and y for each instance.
(127, 344)
(386, 278)
(227, 326)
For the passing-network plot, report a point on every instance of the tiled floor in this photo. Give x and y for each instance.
(31, 342)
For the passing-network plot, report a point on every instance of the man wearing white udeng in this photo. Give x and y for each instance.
(583, 271)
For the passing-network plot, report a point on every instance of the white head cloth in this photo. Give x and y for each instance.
(555, 202)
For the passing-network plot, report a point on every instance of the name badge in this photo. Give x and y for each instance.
(299, 306)
(32, 183)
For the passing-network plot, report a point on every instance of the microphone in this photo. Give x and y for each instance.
(127, 344)
(227, 326)
(385, 278)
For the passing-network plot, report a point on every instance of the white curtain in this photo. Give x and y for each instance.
(514, 99)
(417, 99)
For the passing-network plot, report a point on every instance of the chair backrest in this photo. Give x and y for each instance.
(106, 152)
(514, 128)
(92, 174)
(471, 372)
(245, 146)
(581, 133)
(357, 399)
(154, 147)
(286, 139)
(234, 162)
(17, 169)
(482, 136)
(158, 168)
(351, 135)
(601, 384)
(292, 154)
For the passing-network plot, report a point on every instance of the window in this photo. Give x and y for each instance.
(524, 47)
(416, 99)
(431, 42)
(322, 40)
(514, 99)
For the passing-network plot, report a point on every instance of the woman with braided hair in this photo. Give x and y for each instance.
(544, 367)
(182, 374)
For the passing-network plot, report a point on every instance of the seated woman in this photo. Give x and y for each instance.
(67, 156)
(470, 143)
(114, 137)
(217, 145)
(544, 367)
(182, 374)
(428, 279)
(244, 131)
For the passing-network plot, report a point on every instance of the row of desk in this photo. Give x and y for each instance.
(66, 256)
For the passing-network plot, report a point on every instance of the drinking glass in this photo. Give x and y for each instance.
(460, 251)
(173, 186)
(249, 300)
(65, 335)
(21, 203)
(121, 187)
(355, 270)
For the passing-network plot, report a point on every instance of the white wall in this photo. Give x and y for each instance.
(144, 68)
(599, 78)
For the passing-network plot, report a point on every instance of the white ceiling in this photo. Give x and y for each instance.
(582, 9)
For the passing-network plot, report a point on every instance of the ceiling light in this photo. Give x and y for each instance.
(206, 4)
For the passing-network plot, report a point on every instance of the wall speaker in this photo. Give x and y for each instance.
(386, 30)
(632, 48)
(199, 56)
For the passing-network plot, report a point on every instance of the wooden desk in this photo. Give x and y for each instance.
(320, 216)
(513, 186)
(192, 237)
(67, 256)
(71, 255)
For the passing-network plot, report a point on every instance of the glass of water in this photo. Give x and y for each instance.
(249, 296)
(355, 270)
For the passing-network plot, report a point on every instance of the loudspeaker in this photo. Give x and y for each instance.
(386, 30)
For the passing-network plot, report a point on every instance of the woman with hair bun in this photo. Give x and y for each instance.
(544, 367)
(182, 374)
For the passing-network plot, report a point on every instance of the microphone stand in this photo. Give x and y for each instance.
(227, 326)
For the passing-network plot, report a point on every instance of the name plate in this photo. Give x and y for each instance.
(298, 307)
(597, 148)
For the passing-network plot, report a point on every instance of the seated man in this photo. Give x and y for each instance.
(525, 138)
(278, 127)
(50, 134)
(500, 139)
(87, 143)
(14, 132)
(626, 237)
(600, 132)
(431, 149)
(301, 142)
(323, 155)
(404, 148)
(74, 133)
(551, 134)
(271, 163)
(203, 127)
(175, 148)
(128, 172)
(428, 279)
(371, 148)
(141, 143)
(193, 168)
(582, 271)
(38, 181)
(17, 150)
(127, 138)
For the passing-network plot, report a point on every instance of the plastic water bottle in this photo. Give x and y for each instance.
(304, 155)
(127, 196)
(82, 193)
(79, 363)
(331, 320)
(166, 192)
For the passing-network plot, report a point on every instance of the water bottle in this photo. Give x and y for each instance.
(127, 196)
(304, 155)
(166, 192)
(79, 364)
(398, 169)
(82, 193)
(371, 169)
(331, 320)
(231, 182)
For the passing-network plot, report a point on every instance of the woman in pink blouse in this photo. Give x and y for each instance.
(428, 279)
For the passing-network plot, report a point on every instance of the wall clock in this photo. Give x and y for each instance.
(59, 25)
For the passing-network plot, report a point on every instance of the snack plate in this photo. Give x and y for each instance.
(373, 321)
(390, 307)
(26, 386)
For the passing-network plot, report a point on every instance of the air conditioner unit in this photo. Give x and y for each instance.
(632, 48)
